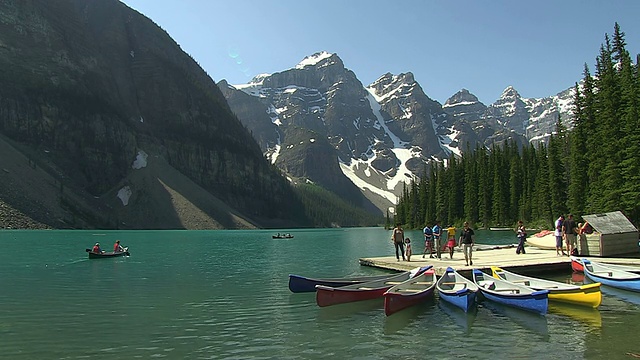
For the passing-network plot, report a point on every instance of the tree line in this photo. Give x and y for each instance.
(592, 168)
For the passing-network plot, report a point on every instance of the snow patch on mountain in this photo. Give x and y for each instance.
(313, 59)
(445, 142)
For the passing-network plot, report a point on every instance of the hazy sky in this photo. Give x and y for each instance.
(539, 47)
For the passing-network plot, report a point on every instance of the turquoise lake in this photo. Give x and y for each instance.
(224, 295)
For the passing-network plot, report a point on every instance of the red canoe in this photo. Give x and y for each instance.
(576, 265)
(327, 295)
(411, 292)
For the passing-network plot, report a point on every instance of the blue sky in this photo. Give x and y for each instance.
(539, 47)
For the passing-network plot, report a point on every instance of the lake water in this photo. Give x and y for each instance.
(224, 295)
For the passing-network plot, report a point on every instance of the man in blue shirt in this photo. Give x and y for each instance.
(437, 233)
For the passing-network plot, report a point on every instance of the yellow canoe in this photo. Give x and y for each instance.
(583, 295)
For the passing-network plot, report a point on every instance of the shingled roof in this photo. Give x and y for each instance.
(610, 223)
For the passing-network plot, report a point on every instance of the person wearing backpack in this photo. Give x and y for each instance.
(437, 233)
(428, 241)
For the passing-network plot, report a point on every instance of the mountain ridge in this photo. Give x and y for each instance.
(398, 117)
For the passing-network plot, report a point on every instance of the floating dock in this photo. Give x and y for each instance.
(534, 261)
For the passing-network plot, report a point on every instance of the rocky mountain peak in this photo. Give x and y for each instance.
(389, 82)
(461, 97)
(510, 93)
(320, 59)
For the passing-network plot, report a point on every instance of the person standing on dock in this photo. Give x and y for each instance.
(467, 240)
(398, 241)
(569, 229)
(407, 243)
(428, 241)
(451, 240)
(522, 237)
(558, 235)
(437, 233)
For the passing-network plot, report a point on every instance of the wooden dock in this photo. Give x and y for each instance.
(534, 261)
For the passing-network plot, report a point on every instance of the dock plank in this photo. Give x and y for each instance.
(535, 260)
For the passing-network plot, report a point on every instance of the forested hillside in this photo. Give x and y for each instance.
(593, 168)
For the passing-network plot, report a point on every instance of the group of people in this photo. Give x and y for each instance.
(569, 231)
(432, 241)
(116, 248)
(565, 230)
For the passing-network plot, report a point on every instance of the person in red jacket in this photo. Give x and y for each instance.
(96, 249)
(117, 247)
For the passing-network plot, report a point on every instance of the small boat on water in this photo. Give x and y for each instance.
(282, 236)
(457, 290)
(328, 295)
(611, 277)
(107, 254)
(298, 283)
(511, 294)
(576, 265)
(411, 292)
(500, 228)
(583, 295)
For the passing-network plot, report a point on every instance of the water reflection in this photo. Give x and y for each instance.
(530, 321)
(585, 315)
(578, 277)
(463, 319)
(340, 311)
(628, 296)
(408, 316)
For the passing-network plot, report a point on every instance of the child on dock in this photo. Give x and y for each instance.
(407, 243)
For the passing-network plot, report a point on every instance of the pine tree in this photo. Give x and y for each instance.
(557, 172)
(470, 166)
(578, 164)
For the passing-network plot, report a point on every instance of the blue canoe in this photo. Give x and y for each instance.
(457, 290)
(611, 277)
(298, 283)
(511, 294)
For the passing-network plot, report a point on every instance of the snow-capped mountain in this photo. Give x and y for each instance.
(318, 123)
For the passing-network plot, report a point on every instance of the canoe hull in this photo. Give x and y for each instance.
(611, 277)
(328, 295)
(585, 295)
(457, 290)
(513, 295)
(107, 255)
(537, 302)
(395, 302)
(409, 293)
(464, 299)
(299, 283)
(576, 265)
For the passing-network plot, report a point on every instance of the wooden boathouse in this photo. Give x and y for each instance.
(613, 234)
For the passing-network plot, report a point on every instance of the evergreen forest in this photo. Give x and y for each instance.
(592, 168)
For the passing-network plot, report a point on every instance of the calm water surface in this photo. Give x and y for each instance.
(224, 294)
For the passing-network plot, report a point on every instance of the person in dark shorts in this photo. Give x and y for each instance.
(467, 240)
(428, 241)
(558, 234)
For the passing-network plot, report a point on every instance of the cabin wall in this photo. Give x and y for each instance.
(589, 244)
(597, 244)
(618, 244)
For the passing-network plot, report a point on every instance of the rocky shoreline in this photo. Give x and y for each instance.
(11, 218)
